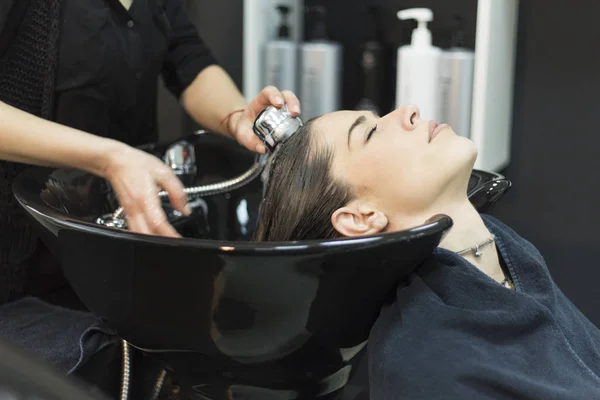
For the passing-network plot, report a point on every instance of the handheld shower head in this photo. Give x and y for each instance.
(274, 126)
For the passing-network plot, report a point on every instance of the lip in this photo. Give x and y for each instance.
(435, 129)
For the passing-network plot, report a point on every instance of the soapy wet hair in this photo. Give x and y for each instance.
(301, 195)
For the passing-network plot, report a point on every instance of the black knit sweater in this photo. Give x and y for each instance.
(28, 59)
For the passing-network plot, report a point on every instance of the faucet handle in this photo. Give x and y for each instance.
(181, 157)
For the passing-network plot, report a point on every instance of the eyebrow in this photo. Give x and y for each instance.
(356, 123)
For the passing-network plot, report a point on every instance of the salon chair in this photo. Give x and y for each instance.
(213, 315)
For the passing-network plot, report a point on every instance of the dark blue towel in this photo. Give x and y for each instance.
(454, 333)
(63, 337)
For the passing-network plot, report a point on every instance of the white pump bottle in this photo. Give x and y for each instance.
(418, 79)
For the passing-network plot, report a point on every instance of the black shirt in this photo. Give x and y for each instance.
(110, 60)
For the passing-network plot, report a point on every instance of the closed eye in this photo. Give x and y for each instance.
(371, 132)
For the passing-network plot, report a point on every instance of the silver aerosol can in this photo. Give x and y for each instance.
(281, 56)
(457, 67)
(321, 73)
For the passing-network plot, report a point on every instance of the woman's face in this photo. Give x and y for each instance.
(402, 165)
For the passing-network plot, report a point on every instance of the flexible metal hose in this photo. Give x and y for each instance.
(126, 377)
(159, 384)
(125, 380)
(215, 188)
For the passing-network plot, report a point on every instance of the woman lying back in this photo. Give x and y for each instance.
(470, 326)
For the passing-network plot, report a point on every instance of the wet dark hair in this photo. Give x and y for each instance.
(301, 195)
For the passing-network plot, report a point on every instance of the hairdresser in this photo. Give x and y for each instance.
(78, 85)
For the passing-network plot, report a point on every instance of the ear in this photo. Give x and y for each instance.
(358, 220)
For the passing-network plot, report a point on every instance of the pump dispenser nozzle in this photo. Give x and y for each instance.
(421, 37)
(284, 28)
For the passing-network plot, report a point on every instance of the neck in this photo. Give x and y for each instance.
(467, 231)
(468, 228)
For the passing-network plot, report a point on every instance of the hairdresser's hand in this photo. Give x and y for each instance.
(136, 178)
(241, 125)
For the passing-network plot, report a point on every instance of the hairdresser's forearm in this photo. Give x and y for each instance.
(211, 97)
(28, 139)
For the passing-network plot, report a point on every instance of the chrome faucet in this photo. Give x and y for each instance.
(181, 157)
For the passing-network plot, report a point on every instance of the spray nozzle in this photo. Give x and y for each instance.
(284, 29)
(421, 36)
(283, 10)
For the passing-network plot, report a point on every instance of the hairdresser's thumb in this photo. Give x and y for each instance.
(246, 137)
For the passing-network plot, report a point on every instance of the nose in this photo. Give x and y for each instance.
(409, 116)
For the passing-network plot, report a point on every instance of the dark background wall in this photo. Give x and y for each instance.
(555, 201)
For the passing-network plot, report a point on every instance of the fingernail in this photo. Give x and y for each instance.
(278, 100)
(296, 109)
(260, 148)
(187, 210)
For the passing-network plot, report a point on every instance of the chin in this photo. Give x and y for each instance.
(471, 151)
(464, 148)
(464, 154)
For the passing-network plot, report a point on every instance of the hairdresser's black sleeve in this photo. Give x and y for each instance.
(5, 8)
(187, 55)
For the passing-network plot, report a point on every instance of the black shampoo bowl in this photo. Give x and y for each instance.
(231, 318)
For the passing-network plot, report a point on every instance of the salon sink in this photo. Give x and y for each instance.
(230, 318)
